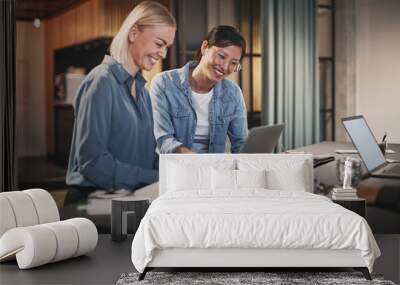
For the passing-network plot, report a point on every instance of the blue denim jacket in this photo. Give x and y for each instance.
(113, 144)
(175, 117)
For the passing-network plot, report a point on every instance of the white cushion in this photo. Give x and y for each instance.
(282, 174)
(251, 178)
(293, 181)
(23, 208)
(7, 218)
(87, 235)
(66, 237)
(173, 166)
(183, 177)
(26, 208)
(45, 205)
(223, 179)
(34, 244)
(40, 244)
(283, 163)
(226, 179)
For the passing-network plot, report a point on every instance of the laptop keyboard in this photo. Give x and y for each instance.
(394, 169)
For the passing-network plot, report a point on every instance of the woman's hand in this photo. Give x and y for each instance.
(183, 149)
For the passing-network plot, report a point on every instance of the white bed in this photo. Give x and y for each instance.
(201, 219)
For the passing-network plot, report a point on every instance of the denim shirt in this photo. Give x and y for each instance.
(175, 117)
(113, 144)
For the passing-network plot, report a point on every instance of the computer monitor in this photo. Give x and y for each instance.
(363, 139)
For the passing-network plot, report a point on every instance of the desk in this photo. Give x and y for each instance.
(324, 173)
(383, 204)
(99, 210)
(382, 194)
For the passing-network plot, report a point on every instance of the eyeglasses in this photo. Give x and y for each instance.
(232, 66)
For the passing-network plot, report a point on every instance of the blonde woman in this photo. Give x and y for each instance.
(113, 144)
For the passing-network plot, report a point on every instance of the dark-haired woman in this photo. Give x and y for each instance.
(195, 108)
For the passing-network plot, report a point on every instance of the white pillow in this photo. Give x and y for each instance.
(227, 179)
(251, 178)
(183, 177)
(280, 180)
(281, 174)
(223, 179)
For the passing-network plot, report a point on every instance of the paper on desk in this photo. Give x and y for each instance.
(99, 202)
(98, 207)
(104, 194)
(354, 151)
(150, 191)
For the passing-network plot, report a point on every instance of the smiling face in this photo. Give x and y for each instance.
(219, 62)
(148, 44)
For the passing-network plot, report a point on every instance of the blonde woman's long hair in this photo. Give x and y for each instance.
(147, 13)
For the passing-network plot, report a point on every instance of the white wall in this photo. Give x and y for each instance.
(30, 90)
(345, 64)
(378, 65)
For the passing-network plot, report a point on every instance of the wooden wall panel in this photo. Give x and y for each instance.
(53, 35)
(98, 18)
(51, 41)
(68, 27)
(30, 90)
(84, 22)
(116, 12)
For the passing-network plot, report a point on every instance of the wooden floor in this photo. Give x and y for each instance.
(110, 260)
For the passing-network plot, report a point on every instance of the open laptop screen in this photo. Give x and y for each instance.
(364, 141)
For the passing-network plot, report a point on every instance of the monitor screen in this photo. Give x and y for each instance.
(364, 141)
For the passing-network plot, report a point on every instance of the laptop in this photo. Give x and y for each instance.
(363, 139)
(263, 139)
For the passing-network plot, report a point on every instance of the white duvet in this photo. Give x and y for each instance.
(250, 219)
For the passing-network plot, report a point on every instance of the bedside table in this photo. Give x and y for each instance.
(121, 209)
(358, 206)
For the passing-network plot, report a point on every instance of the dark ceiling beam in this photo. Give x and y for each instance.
(28, 10)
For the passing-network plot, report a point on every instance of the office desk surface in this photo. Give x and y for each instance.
(325, 172)
(382, 194)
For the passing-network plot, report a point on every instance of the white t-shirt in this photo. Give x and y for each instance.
(201, 102)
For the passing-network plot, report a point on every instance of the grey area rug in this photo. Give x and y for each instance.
(273, 278)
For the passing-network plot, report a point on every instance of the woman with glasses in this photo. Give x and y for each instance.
(195, 108)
